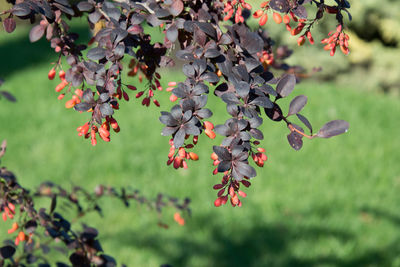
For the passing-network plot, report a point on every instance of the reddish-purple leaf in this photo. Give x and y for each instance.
(36, 33)
(305, 121)
(333, 128)
(9, 25)
(176, 8)
(286, 85)
(297, 104)
(295, 140)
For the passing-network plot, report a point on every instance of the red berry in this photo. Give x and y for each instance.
(277, 18)
(52, 74)
(263, 20)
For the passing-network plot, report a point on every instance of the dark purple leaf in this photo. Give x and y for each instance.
(83, 106)
(176, 112)
(300, 11)
(153, 20)
(333, 128)
(262, 101)
(242, 89)
(167, 131)
(224, 165)
(176, 8)
(137, 18)
(305, 121)
(255, 122)
(66, 10)
(179, 138)
(7, 252)
(252, 42)
(245, 169)
(208, 29)
(161, 13)
(257, 134)
(274, 113)
(210, 77)
(286, 85)
(21, 9)
(167, 119)
(172, 33)
(88, 96)
(96, 53)
(280, 5)
(94, 17)
(204, 113)
(230, 98)
(9, 25)
(212, 53)
(295, 140)
(188, 70)
(297, 104)
(222, 129)
(84, 6)
(191, 129)
(120, 35)
(225, 39)
(222, 153)
(106, 109)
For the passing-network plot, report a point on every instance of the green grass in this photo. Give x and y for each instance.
(334, 203)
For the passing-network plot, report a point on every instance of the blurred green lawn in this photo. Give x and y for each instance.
(334, 203)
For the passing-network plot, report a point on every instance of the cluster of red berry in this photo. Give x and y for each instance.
(153, 82)
(229, 188)
(236, 7)
(103, 130)
(9, 212)
(337, 38)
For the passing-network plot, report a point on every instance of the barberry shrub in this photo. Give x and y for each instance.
(220, 53)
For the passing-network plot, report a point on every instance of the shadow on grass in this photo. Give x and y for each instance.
(267, 245)
(18, 53)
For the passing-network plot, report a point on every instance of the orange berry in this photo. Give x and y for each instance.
(173, 98)
(264, 4)
(21, 236)
(263, 19)
(301, 40)
(61, 86)
(193, 156)
(242, 194)
(60, 96)
(14, 227)
(258, 14)
(179, 219)
(208, 125)
(52, 74)
(104, 132)
(210, 133)
(70, 103)
(79, 92)
(172, 84)
(182, 152)
(76, 99)
(277, 18)
(214, 156)
(333, 50)
(286, 19)
(218, 202)
(61, 74)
